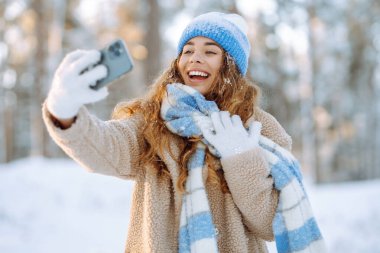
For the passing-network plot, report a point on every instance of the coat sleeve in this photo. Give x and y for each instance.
(106, 147)
(250, 183)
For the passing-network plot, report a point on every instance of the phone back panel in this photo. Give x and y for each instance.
(117, 60)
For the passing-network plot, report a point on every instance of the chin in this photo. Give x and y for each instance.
(199, 88)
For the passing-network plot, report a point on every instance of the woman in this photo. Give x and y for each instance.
(203, 182)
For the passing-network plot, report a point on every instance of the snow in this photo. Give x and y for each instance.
(53, 205)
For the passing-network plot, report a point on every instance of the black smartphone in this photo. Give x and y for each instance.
(117, 60)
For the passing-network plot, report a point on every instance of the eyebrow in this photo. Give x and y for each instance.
(208, 43)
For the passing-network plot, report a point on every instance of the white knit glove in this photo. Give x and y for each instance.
(71, 88)
(230, 136)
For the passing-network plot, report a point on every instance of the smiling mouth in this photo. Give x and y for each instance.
(197, 75)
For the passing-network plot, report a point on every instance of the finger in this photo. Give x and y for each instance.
(216, 121)
(203, 121)
(93, 75)
(207, 133)
(90, 57)
(255, 129)
(96, 95)
(101, 94)
(236, 121)
(226, 119)
(70, 57)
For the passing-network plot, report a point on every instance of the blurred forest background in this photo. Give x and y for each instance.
(317, 62)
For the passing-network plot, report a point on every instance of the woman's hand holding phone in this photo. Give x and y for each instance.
(71, 89)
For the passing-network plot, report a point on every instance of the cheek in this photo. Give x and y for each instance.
(212, 80)
(217, 67)
(181, 65)
(217, 64)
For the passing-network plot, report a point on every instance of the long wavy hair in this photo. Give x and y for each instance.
(231, 91)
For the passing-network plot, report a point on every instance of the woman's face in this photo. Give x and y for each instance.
(200, 62)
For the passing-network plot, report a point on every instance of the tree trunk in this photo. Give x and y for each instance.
(153, 42)
(36, 125)
(310, 147)
(9, 118)
(59, 10)
(4, 152)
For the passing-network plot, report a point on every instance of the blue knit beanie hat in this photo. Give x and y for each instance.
(228, 30)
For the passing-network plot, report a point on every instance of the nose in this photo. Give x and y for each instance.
(196, 57)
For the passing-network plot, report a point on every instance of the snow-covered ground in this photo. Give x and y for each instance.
(53, 205)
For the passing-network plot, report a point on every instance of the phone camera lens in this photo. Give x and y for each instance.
(115, 50)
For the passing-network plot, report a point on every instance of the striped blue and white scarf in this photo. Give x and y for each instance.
(294, 226)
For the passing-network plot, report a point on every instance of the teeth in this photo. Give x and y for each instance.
(197, 73)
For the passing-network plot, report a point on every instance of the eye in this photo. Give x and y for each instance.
(187, 51)
(210, 52)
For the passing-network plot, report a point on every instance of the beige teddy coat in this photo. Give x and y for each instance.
(243, 217)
